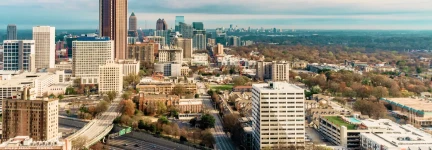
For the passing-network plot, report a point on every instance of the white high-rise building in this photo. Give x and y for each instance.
(19, 55)
(279, 115)
(44, 37)
(110, 77)
(89, 53)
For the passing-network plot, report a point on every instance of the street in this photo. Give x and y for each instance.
(223, 142)
(131, 142)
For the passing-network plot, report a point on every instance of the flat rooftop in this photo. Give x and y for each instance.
(419, 104)
(277, 86)
(339, 122)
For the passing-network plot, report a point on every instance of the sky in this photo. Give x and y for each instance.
(284, 14)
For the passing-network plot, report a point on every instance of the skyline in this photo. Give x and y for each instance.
(292, 14)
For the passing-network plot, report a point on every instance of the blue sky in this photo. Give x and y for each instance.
(286, 14)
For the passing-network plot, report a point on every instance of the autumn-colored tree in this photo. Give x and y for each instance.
(129, 107)
(230, 120)
(79, 142)
(207, 138)
(179, 90)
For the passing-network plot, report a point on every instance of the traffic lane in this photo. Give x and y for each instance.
(131, 142)
(159, 141)
(223, 141)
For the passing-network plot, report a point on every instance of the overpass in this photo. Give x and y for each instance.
(96, 129)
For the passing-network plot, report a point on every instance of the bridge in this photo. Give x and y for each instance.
(96, 129)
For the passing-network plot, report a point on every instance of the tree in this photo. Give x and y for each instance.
(196, 95)
(207, 138)
(97, 146)
(241, 80)
(207, 121)
(374, 110)
(129, 107)
(161, 108)
(79, 142)
(60, 96)
(102, 106)
(176, 129)
(51, 95)
(126, 95)
(229, 121)
(111, 95)
(131, 80)
(380, 92)
(183, 139)
(141, 125)
(179, 90)
(163, 120)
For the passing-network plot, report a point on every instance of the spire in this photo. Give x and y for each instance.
(133, 14)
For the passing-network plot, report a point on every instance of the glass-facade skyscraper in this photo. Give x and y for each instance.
(177, 22)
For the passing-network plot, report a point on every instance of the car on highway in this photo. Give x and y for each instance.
(136, 145)
(125, 144)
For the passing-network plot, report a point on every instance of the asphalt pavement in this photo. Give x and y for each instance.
(127, 143)
(223, 142)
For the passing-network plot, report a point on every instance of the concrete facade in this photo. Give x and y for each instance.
(44, 37)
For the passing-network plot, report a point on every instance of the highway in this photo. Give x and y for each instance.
(223, 142)
(131, 142)
(96, 129)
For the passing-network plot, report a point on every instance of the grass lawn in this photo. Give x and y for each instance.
(338, 121)
(222, 87)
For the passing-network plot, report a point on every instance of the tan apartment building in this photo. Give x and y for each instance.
(110, 77)
(35, 118)
(274, 71)
(218, 50)
(189, 105)
(164, 88)
(143, 52)
(185, 44)
(44, 38)
(154, 99)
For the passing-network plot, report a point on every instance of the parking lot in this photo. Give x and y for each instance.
(315, 136)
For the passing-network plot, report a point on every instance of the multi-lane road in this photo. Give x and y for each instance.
(98, 127)
(223, 142)
(128, 143)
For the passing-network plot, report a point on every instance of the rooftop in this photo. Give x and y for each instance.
(340, 122)
(279, 86)
(415, 104)
(23, 79)
(404, 136)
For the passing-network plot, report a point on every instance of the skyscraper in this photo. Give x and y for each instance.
(198, 25)
(133, 26)
(161, 24)
(278, 112)
(113, 24)
(19, 55)
(185, 44)
(44, 37)
(186, 30)
(11, 32)
(177, 22)
(199, 40)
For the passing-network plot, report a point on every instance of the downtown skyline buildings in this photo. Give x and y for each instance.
(113, 24)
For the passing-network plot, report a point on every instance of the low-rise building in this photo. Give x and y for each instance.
(27, 143)
(300, 64)
(171, 54)
(146, 100)
(164, 88)
(57, 89)
(199, 60)
(64, 65)
(416, 111)
(39, 82)
(189, 105)
(169, 69)
(402, 137)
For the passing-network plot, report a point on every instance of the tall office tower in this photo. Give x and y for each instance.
(198, 25)
(143, 52)
(35, 118)
(19, 55)
(234, 41)
(199, 40)
(278, 115)
(113, 24)
(110, 77)
(177, 22)
(11, 32)
(133, 26)
(44, 37)
(171, 54)
(185, 44)
(161, 24)
(164, 33)
(88, 54)
(186, 30)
